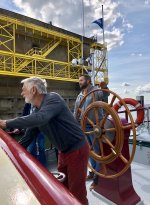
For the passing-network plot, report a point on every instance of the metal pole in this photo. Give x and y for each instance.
(93, 69)
(104, 51)
(93, 73)
(83, 30)
(148, 118)
(103, 25)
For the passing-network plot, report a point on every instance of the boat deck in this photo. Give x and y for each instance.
(141, 183)
(140, 174)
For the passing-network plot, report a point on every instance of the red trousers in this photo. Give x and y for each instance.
(74, 166)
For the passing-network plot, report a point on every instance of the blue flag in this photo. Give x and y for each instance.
(99, 22)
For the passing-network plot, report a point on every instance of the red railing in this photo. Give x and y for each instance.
(46, 188)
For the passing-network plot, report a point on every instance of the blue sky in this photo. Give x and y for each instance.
(127, 32)
(130, 62)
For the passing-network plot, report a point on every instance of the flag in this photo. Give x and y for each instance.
(99, 22)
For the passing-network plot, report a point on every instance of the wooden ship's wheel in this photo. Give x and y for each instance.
(107, 129)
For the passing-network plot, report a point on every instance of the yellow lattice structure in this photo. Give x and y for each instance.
(38, 61)
(101, 62)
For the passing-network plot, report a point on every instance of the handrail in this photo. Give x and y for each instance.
(46, 188)
(144, 108)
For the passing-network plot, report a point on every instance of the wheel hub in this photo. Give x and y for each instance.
(98, 131)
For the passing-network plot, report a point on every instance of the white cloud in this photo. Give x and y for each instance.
(143, 89)
(129, 26)
(114, 38)
(67, 14)
(126, 24)
(132, 54)
(135, 6)
(125, 84)
(136, 54)
(147, 2)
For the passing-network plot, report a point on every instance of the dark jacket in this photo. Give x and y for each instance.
(55, 120)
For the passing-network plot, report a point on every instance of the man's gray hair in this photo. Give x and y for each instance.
(39, 83)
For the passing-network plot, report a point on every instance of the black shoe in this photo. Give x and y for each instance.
(90, 176)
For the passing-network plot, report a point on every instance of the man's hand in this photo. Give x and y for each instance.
(2, 124)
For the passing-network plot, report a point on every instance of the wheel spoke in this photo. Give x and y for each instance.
(127, 127)
(108, 141)
(101, 148)
(113, 151)
(110, 144)
(104, 170)
(90, 132)
(102, 122)
(123, 158)
(80, 110)
(109, 130)
(112, 101)
(90, 121)
(95, 110)
(93, 143)
(96, 116)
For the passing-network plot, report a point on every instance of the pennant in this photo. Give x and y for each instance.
(99, 22)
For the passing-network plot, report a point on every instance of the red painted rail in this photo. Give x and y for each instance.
(47, 189)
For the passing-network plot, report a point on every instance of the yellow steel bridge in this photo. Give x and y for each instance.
(18, 59)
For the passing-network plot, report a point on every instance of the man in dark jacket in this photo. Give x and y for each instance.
(52, 117)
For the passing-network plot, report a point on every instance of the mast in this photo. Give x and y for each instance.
(103, 25)
(93, 54)
(104, 51)
(93, 67)
(83, 30)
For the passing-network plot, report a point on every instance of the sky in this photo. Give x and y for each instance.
(126, 28)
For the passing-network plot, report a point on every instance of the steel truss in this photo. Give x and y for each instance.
(36, 61)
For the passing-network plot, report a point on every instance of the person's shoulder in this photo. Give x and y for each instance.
(51, 95)
(54, 94)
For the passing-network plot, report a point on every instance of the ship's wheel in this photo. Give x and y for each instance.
(106, 129)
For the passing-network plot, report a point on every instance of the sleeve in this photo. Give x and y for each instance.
(50, 109)
(28, 137)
